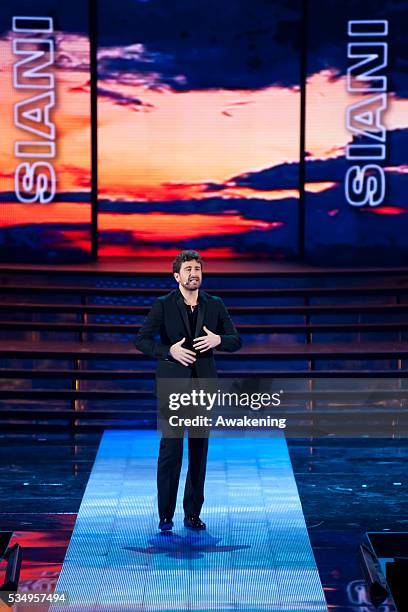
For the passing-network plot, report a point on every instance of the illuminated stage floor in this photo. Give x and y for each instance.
(255, 554)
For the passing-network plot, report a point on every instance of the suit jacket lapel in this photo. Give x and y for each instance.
(202, 305)
(182, 308)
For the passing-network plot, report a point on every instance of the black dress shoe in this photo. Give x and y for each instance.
(194, 522)
(166, 524)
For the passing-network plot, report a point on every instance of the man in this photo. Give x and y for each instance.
(190, 324)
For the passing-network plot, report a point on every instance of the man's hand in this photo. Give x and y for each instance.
(207, 342)
(182, 355)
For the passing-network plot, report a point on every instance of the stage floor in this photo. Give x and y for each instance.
(235, 267)
(255, 554)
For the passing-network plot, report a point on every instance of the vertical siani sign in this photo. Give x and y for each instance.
(33, 47)
(367, 55)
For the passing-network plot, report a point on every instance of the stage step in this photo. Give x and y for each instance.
(263, 352)
(249, 328)
(260, 310)
(294, 322)
(149, 374)
(396, 288)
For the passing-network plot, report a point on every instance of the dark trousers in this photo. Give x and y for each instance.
(168, 475)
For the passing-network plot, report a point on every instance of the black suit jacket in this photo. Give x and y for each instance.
(168, 319)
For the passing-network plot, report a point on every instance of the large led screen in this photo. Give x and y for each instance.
(199, 130)
(45, 144)
(198, 114)
(357, 132)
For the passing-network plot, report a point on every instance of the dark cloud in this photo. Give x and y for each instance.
(397, 145)
(123, 100)
(245, 44)
(283, 176)
(64, 196)
(206, 44)
(250, 208)
(327, 35)
(248, 44)
(286, 175)
(340, 234)
(44, 243)
(69, 16)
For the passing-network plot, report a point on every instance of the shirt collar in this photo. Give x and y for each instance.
(180, 295)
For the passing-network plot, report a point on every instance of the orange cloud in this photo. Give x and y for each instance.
(186, 138)
(327, 101)
(147, 226)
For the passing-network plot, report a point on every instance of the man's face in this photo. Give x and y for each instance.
(190, 275)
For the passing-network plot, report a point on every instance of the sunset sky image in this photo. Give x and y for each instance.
(28, 229)
(198, 134)
(180, 119)
(334, 229)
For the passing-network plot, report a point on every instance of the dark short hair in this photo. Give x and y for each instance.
(186, 256)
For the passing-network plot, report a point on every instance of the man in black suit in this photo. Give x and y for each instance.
(190, 324)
